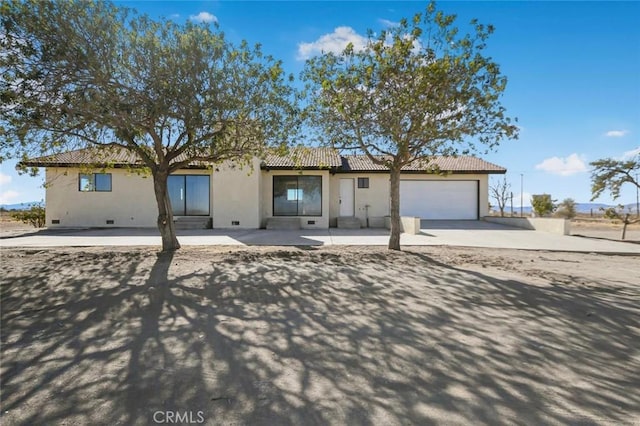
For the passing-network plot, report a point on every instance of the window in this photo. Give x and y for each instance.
(189, 194)
(363, 182)
(297, 195)
(294, 194)
(89, 182)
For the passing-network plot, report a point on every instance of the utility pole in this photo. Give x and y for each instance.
(511, 203)
(637, 197)
(521, 192)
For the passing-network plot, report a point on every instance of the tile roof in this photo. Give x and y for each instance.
(112, 155)
(460, 164)
(304, 158)
(309, 158)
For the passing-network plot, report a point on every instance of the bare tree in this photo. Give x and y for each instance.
(500, 191)
(618, 213)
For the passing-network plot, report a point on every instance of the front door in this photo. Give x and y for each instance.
(189, 195)
(346, 197)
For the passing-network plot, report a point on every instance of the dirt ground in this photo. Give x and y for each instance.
(604, 228)
(332, 335)
(12, 227)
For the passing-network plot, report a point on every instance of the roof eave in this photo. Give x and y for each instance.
(423, 172)
(328, 168)
(97, 165)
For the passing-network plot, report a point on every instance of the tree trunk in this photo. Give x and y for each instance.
(165, 213)
(624, 227)
(394, 238)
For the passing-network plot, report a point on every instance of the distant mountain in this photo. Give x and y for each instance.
(587, 207)
(516, 209)
(584, 208)
(21, 206)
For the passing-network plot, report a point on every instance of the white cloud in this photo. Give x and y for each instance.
(4, 179)
(616, 133)
(7, 197)
(388, 23)
(628, 155)
(204, 17)
(334, 42)
(570, 165)
(174, 16)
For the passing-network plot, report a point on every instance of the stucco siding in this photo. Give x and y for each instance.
(267, 197)
(236, 196)
(131, 201)
(377, 195)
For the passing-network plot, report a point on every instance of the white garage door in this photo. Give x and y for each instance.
(432, 199)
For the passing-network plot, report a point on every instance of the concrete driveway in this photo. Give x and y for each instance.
(449, 233)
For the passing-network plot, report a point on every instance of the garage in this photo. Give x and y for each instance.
(439, 200)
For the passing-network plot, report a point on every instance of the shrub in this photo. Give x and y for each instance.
(618, 213)
(567, 208)
(35, 216)
(542, 204)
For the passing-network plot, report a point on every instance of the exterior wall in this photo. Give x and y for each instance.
(267, 197)
(545, 224)
(236, 196)
(131, 201)
(377, 195)
(408, 224)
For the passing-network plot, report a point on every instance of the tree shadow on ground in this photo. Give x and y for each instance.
(309, 337)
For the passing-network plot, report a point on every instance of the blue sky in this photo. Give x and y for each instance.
(573, 70)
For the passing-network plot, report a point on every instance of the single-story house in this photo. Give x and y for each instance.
(314, 186)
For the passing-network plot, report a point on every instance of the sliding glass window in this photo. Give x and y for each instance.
(297, 195)
(189, 194)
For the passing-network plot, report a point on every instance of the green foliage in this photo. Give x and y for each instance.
(609, 174)
(542, 204)
(613, 213)
(618, 213)
(416, 90)
(567, 208)
(34, 216)
(93, 73)
(88, 73)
